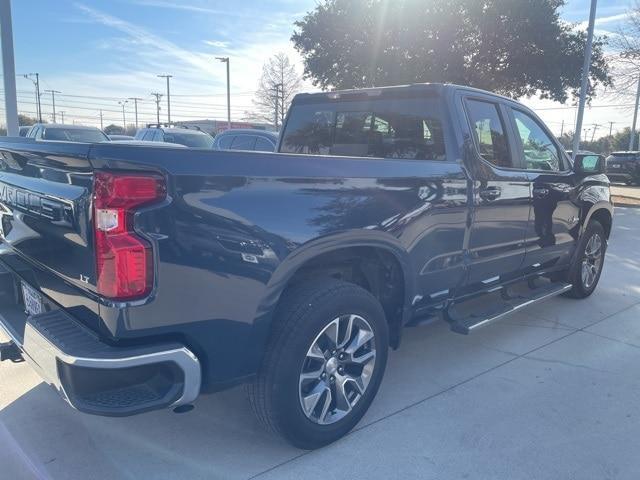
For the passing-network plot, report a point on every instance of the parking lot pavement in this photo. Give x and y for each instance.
(553, 392)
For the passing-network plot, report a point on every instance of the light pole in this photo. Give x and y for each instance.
(9, 69)
(53, 102)
(36, 83)
(158, 97)
(124, 120)
(585, 78)
(226, 60)
(135, 105)
(101, 121)
(168, 97)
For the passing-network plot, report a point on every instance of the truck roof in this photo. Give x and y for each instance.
(425, 88)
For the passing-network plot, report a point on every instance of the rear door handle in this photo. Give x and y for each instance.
(490, 193)
(540, 192)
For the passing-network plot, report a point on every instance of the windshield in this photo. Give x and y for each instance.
(192, 140)
(85, 135)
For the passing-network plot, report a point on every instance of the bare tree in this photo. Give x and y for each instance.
(279, 83)
(625, 58)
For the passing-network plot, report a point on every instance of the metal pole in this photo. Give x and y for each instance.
(610, 128)
(135, 104)
(124, 119)
(632, 137)
(168, 97)
(38, 95)
(53, 102)
(562, 128)
(101, 124)
(62, 119)
(8, 69)
(226, 60)
(158, 97)
(585, 77)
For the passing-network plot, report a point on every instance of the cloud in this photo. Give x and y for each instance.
(605, 20)
(216, 43)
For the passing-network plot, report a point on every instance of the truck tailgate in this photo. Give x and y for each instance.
(45, 208)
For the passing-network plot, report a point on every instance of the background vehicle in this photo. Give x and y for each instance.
(67, 133)
(624, 167)
(121, 137)
(152, 275)
(24, 130)
(141, 143)
(192, 138)
(246, 139)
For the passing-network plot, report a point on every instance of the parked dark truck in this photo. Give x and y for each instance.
(135, 278)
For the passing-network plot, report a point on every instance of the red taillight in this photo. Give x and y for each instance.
(124, 261)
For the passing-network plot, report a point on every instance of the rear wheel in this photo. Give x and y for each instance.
(586, 269)
(324, 363)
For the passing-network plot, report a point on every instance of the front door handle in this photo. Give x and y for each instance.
(490, 193)
(540, 192)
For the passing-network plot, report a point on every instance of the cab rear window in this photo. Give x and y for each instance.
(387, 128)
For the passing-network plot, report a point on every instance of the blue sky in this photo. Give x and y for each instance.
(115, 48)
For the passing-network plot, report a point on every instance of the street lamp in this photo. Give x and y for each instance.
(226, 60)
(168, 98)
(124, 120)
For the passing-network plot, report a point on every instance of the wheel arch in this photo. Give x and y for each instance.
(602, 212)
(314, 253)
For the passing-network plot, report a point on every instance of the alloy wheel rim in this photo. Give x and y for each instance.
(337, 369)
(592, 261)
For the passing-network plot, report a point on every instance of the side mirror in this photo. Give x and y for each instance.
(589, 164)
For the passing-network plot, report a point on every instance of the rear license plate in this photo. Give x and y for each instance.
(32, 300)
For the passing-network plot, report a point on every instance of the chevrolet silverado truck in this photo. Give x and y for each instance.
(136, 278)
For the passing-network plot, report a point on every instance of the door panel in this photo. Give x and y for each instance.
(501, 195)
(554, 224)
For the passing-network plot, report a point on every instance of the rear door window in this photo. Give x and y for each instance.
(243, 142)
(386, 128)
(264, 145)
(224, 143)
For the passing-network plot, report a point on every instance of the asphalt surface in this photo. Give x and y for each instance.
(552, 393)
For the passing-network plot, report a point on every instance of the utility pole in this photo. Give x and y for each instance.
(62, 115)
(595, 127)
(101, 124)
(9, 69)
(168, 97)
(135, 104)
(226, 60)
(562, 128)
(585, 77)
(36, 83)
(611, 129)
(632, 137)
(53, 102)
(124, 120)
(158, 97)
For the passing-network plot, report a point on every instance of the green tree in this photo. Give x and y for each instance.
(517, 48)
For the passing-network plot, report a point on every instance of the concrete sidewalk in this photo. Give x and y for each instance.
(552, 393)
(625, 195)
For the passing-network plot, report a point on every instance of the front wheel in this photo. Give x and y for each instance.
(324, 363)
(586, 269)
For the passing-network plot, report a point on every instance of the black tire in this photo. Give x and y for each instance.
(303, 312)
(574, 276)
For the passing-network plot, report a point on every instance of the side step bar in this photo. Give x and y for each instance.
(471, 315)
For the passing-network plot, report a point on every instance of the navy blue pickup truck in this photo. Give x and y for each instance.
(135, 278)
